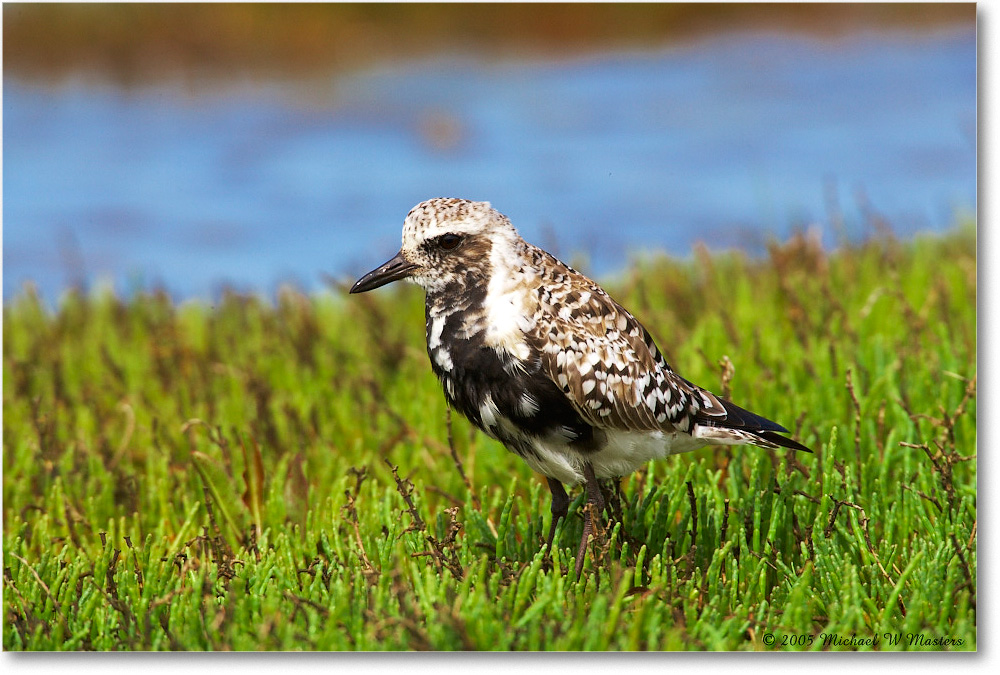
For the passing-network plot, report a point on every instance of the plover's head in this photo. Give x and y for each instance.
(444, 241)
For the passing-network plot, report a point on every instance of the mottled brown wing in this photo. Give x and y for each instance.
(605, 361)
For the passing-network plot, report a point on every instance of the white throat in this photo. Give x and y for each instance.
(511, 297)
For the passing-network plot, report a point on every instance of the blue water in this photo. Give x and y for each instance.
(728, 142)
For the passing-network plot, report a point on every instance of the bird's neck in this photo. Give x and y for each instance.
(494, 306)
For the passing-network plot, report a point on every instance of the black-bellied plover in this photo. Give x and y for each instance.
(544, 360)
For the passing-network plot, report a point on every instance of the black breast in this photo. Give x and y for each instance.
(520, 391)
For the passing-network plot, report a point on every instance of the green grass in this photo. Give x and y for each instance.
(263, 476)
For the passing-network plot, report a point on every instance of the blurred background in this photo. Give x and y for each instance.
(200, 147)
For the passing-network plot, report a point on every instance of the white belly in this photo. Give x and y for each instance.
(624, 453)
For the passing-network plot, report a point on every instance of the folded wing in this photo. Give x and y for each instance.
(607, 364)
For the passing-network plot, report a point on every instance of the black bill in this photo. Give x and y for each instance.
(391, 270)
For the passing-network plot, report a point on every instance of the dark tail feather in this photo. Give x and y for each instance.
(769, 430)
(784, 442)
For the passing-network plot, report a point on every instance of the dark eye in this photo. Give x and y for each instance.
(449, 242)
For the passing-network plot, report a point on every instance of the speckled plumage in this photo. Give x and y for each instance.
(542, 358)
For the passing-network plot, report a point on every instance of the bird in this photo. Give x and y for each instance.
(541, 358)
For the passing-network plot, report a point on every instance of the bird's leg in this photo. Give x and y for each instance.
(560, 507)
(591, 513)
